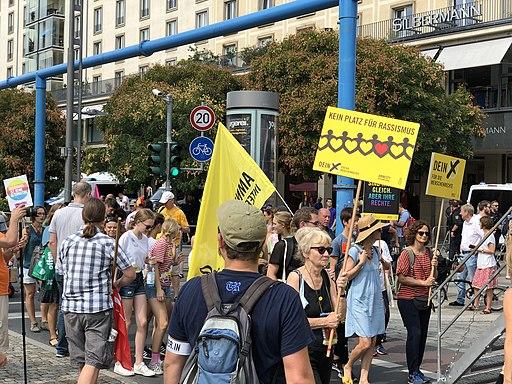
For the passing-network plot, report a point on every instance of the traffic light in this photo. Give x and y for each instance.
(175, 169)
(156, 159)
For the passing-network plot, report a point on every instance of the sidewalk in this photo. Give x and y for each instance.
(42, 365)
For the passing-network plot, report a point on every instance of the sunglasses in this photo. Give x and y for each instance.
(423, 233)
(322, 250)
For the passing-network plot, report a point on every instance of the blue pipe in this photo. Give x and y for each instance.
(39, 144)
(346, 92)
(147, 48)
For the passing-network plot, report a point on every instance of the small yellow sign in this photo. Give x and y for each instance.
(445, 176)
(367, 147)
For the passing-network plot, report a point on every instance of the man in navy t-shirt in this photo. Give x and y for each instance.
(280, 329)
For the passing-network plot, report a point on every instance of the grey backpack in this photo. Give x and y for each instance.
(223, 353)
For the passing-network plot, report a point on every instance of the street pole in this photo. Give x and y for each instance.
(168, 101)
(68, 171)
(80, 89)
(346, 92)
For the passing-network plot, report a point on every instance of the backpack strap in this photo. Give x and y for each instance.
(255, 291)
(412, 259)
(210, 291)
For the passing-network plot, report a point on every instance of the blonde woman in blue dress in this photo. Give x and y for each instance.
(365, 307)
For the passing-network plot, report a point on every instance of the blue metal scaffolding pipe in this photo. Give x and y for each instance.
(346, 92)
(148, 47)
(348, 14)
(39, 145)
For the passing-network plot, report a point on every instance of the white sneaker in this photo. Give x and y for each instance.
(157, 368)
(122, 371)
(142, 369)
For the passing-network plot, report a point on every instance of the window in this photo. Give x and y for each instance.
(24, 16)
(96, 84)
(404, 14)
(76, 26)
(172, 5)
(171, 61)
(118, 78)
(201, 19)
(120, 12)
(98, 20)
(265, 4)
(10, 44)
(172, 27)
(11, 3)
(9, 72)
(77, 53)
(119, 41)
(265, 40)
(144, 8)
(230, 9)
(10, 23)
(144, 34)
(229, 58)
(96, 48)
(143, 69)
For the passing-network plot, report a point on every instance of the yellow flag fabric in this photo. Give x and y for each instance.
(233, 174)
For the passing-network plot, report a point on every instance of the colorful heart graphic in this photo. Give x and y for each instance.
(381, 149)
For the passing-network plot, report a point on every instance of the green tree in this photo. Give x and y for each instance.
(136, 118)
(17, 113)
(391, 80)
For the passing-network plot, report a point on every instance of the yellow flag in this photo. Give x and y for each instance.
(233, 174)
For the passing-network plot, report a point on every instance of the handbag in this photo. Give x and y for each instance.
(36, 256)
(43, 269)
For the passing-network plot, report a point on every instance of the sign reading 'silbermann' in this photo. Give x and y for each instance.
(432, 19)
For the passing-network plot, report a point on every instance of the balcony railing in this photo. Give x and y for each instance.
(440, 21)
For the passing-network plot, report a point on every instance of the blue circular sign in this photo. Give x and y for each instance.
(201, 149)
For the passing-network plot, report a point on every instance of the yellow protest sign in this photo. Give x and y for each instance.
(232, 174)
(366, 147)
(445, 176)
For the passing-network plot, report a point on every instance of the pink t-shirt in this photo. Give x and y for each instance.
(164, 253)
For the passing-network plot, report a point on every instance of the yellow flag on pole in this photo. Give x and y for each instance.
(233, 174)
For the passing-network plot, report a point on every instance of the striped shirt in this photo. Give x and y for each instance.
(87, 270)
(163, 252)
(421, 271)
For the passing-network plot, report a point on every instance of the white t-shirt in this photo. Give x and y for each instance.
(136, 249)
(386, 255)
(486, 260)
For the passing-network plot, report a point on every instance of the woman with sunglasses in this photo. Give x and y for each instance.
(318, 296)
(365, 307)
(135, 244)
(414, 268)
(34, 232)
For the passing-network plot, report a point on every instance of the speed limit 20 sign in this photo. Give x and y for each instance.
(202, 118)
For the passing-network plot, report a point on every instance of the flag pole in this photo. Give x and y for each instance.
(284, 202)
(349, 243)
(432, 271)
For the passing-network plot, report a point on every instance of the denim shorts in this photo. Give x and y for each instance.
(135, 288)
(151, 292)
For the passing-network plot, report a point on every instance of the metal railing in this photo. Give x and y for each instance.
(438, 21)
(438, 292)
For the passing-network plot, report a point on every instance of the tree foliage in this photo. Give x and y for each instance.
(17, 113)
(391, 80)
(136, 118)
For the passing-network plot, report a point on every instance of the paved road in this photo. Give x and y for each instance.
(385, 369)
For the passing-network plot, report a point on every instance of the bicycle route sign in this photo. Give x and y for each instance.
(201, 149)
(202, 118)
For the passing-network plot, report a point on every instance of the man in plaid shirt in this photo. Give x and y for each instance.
(86, 258)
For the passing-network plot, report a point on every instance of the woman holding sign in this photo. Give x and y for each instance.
(414, 271)
(365, 307)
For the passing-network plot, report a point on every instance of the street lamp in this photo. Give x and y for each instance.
(168, 100)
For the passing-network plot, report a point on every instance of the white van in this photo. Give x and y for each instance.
(502, 193)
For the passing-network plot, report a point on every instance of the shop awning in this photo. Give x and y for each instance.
(473, 55)
(430, 52)
(87, 112)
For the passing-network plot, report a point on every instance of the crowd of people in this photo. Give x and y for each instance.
(325, 289)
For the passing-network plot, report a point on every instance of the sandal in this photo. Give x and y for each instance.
(54, 342)
(44, 326)
(487, 311)
(346, 380)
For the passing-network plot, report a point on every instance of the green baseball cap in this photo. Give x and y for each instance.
(242, 226)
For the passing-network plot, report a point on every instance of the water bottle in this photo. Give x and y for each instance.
(150, 277)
